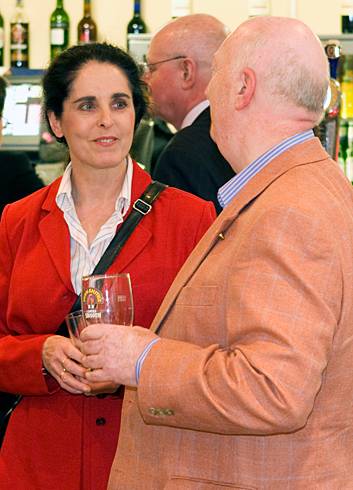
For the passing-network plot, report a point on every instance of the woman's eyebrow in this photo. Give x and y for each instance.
(121, 94)
(86, 98)
(92, 98)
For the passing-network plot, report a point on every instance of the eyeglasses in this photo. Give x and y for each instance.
(151, 67)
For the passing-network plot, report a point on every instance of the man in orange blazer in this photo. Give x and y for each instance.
(246, 378)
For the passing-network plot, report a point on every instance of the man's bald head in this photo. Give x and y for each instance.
(288, 59)
(197, 36)
(180, 64)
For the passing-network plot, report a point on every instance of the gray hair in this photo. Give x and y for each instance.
(295, 82)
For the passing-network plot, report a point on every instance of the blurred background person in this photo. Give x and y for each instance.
(178, 69)
(151, 136)
(18, 176)
(57, 437)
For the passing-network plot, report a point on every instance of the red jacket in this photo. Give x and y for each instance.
(55, 439)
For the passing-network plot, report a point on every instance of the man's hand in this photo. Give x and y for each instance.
(106, 388)
(111, 352)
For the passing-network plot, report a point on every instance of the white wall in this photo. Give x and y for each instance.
(112, 16)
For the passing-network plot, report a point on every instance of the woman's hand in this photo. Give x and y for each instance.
(63, 361)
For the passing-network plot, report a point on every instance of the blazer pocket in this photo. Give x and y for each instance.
(185, 483)
(195, 306)
(198, 296)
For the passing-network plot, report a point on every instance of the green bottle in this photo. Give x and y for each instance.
(1, 40)
(136, 24)
(59, 30)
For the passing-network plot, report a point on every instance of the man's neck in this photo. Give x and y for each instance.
(261, 143)
(193, 113)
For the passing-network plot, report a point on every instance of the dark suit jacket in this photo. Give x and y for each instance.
(18, 177)
(191, 161)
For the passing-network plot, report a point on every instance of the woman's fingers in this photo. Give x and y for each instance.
(62, 361)
(71, 384)
(73, 367)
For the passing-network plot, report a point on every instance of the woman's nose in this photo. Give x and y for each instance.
(105, 118)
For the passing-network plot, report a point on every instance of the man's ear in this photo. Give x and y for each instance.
(247, 88)
(55, 125)
(187, 69)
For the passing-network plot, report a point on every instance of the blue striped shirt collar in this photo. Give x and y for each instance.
(230, 189)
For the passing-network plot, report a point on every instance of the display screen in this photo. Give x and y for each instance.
(22, 109)
(22, 115)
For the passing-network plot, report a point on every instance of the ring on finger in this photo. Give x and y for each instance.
(62, 374)
(63, 363)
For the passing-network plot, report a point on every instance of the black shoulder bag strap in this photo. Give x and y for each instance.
(140, 208)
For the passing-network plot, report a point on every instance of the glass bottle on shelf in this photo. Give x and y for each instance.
(59, 30)
(19, 37)
(328, 129)
(347, 16)
(346, 129)
(347, 87)
(87, 28)
(136, 24)
(1, 40)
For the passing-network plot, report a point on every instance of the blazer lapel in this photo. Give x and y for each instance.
(216, 232)
(134, 246)
(301, 154)
(55, 235)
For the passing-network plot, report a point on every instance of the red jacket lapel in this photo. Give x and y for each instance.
(55, 235)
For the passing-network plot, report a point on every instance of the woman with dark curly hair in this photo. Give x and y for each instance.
(60, 436)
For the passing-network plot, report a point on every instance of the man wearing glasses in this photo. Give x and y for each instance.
(177, 71)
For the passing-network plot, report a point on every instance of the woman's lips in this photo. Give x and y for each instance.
(105, 140)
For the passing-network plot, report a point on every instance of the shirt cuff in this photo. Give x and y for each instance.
(142, 357)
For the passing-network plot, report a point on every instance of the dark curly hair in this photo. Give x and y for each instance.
(62, 72)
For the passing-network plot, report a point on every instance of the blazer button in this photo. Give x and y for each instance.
(100, 421)
(168, 411)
